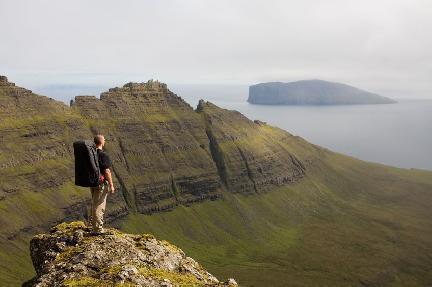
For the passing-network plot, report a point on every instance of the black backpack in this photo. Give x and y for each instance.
(87, 172)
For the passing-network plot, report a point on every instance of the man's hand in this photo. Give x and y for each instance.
(107, 173)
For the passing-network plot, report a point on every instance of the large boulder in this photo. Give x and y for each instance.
(70, 255)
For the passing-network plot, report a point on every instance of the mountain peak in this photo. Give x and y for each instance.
(150, 84)
(4, 81)
(72, 256)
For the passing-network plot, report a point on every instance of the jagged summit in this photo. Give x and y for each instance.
(4, 81)
(142, 98)
(71, 256)
(150, 84)
(200, 105)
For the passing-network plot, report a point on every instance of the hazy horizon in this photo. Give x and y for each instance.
(67, 92)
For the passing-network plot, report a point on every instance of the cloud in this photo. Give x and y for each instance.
(376, 45)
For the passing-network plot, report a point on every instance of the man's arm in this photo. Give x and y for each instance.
(109, 178)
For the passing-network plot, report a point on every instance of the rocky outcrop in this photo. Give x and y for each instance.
(4, 81)
(312, 92)
(71, 256)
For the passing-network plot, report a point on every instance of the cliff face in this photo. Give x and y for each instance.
(157, 144)
(71, 256)
(248, 157)
(166, 154)
(312, 92)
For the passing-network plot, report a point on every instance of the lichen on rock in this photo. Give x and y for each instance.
(70, 255)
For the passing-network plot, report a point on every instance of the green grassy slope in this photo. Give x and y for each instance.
(349, 223)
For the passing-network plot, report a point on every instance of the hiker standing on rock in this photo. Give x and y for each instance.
(100, 193)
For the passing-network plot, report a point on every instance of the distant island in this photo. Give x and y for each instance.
(312, 92)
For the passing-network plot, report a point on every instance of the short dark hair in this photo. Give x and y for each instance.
(98, 139)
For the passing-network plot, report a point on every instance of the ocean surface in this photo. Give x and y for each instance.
(396, 134)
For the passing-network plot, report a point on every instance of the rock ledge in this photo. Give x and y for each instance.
(4, 81)
(71, 256)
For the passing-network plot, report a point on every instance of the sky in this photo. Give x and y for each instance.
(382, 46)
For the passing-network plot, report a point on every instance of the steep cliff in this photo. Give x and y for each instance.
(250, 156)
(71, 256)
(166, 153)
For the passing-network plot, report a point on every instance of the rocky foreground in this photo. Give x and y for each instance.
(71, 256)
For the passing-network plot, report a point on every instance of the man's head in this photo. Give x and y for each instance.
(99, 141)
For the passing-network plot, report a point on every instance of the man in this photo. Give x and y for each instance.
(100, 193)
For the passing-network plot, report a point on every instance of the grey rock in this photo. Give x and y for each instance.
(70, 254)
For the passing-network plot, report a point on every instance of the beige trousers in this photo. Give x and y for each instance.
(99, 196)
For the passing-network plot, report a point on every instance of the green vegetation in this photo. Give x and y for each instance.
(177, 279)
(69, 227)
(348, 223)
(68, 253)
(92, 282)
(31, 208)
